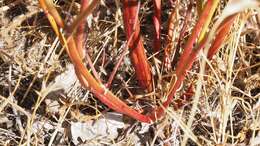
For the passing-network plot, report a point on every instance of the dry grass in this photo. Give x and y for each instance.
(40, 96)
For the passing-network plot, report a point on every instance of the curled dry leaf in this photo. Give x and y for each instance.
(103, 129)
(64, 81)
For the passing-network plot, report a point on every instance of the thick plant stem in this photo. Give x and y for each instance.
(186, 60)
(49, 8)
(157, 25)
(188, 48)
(208, 20)
(221, 35)
(137, 50)
(80, 37)
(183, 31)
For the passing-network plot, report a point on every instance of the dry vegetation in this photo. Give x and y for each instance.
(43, 103)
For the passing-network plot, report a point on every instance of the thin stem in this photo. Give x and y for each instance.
(81, 36)
(81, 17)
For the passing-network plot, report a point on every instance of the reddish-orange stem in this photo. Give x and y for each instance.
(80, 31)
(186, 60)
(182, 33)
(221, 35)
(169, 47)
(157, 25)
(80, 37)
(191, 41)
(137, 50)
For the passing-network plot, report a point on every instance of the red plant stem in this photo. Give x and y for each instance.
(186, 60)
(137, 51)
(187, 63)
(221, 35)
(169, 47)
(80, 37)
(91, 65)
(157, 25)
(111, 77)
(169, 50)
(49, 8)
(182, 33)
(185, 23)
(81, 17)
(191, 41)
(100, 91)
